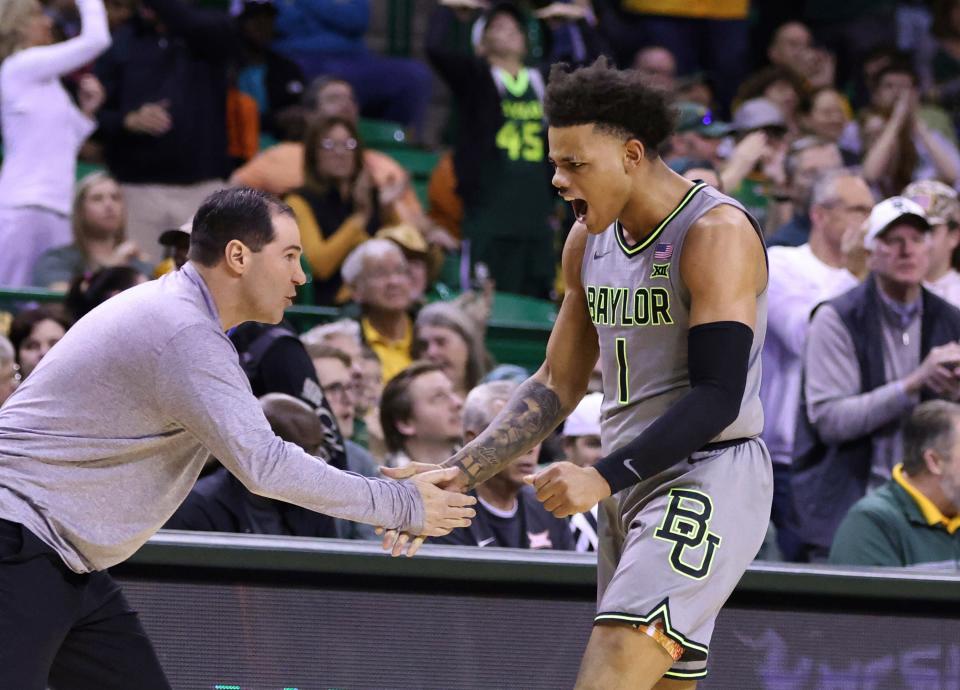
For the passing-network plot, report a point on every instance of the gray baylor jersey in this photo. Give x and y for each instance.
(640, 307)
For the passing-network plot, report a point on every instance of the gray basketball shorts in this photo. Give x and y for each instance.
(672, 548)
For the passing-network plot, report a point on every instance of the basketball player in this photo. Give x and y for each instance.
(666, 281)
(108, 434)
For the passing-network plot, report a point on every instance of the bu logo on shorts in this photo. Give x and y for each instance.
(686, 523)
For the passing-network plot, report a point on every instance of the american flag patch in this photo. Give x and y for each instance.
(663, 252)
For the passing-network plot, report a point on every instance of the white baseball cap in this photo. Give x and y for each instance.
(585, 419)
(890, 211)
(758, 113)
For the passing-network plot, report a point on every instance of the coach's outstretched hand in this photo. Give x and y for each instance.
(444, 510)
(445, 507)
(411, 469)
(566, 489)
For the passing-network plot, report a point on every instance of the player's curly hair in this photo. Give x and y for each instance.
(620, 102)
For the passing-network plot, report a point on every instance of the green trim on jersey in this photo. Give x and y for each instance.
(633, 251)
(515, 85)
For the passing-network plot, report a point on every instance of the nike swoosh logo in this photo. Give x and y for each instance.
(629, 465)
(598, 255)
(486, 542)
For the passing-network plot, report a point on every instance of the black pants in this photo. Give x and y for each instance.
(63, 629)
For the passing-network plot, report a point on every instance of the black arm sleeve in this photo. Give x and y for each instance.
(718, 357)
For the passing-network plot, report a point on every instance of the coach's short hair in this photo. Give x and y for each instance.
(929, 426)
(620, 102)
(238, 213)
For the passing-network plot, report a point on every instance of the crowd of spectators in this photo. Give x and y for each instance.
(836, 126)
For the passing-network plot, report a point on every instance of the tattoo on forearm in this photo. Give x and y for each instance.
(532, 413)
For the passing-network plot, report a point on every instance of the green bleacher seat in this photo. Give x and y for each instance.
(519, 329)
(381, 134)
(418, 163)
(84, 169)
(522, 311)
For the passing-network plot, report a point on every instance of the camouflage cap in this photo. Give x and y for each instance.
(940, 201)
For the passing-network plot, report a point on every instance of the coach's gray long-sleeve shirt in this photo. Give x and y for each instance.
(106, 437)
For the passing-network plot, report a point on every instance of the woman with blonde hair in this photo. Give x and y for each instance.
(445, 335)
(99, 236)
(42, 128)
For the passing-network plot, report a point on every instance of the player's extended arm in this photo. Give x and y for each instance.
(724, 268)
(547, 397)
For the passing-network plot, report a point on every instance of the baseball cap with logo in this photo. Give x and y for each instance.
(939, 201)
(895, 210)
(699, 120)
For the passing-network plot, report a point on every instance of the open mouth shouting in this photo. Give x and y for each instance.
(580, 209)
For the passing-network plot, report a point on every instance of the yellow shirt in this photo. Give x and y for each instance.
(394, 355)
(931, 513)
(702, 9)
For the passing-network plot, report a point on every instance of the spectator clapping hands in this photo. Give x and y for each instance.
(152, 119)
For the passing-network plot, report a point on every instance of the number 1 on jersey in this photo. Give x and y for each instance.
(623, 372)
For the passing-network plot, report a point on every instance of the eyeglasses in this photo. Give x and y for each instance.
(14, 375)
(334, 145)
(339, 390)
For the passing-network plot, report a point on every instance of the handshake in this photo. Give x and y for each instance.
(445, 505)
(564, 488)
